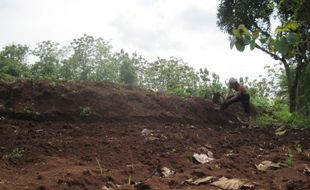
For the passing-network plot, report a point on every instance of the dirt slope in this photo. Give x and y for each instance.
(53, 135)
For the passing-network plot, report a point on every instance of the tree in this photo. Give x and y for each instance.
(13, 61)
(304, 88)
(207, 85)
(106, 68)
(91, 59)
(128, 73)
(249, 23)
(49, 58)
(81, 64)
(172, 75)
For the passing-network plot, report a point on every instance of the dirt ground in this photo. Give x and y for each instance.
(102, 136)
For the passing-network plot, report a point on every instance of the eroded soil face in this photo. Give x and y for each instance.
(100, 136)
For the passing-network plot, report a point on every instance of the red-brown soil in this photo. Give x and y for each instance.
(52, 136)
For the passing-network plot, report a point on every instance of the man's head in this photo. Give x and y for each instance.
(233, 83)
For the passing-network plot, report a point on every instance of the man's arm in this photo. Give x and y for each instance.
(241, 91)
(228, 93)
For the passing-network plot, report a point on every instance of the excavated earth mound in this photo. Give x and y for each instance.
(63, 135)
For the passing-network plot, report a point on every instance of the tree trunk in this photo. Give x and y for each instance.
(292, 87)
(293, 78)
(292, 99)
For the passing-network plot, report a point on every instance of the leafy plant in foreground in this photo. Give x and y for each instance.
(85, 111)
(16, 153)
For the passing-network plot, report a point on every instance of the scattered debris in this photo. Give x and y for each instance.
(265, 165)
(107, 188)
(203, 158)
(110, 186)
(230, 153)
(166, 172)
(142, 186)
(199, 181)
(150, 135)
(307, 170)
(306, 153)
(233, 184)
(280, 131)
(192, 127)
(39, 130)
(152, 138)
(241, 120)
(146, 132)
(206, 151)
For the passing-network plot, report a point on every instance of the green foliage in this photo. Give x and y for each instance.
(289, 160)
(261, 103)
(208, 85)
(128, 73)
(85, 111)
(172, 75)
(298, 148)
(49, 60)
(16, 153)
(99, 166)
(13, 62)
(278, 113)
(233, 13)
(300, 120)
(82, 60)
(264, 120)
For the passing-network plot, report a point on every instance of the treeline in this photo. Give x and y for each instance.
(92, 59)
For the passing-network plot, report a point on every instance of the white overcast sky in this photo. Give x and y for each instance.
(152, 28)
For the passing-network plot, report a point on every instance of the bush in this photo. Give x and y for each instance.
(278, 113)
(264, 120)
(299, 120)
(262, 103)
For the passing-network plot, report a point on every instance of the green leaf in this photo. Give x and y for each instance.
(239, 45)
(280, 133)
(247, 39)
(252, 45)
(281, 45)
(236, 32)
(281, 29)
(255, 35)
(243, 30)
(293, 39)
(287, 27)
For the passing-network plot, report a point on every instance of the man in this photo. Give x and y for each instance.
(241, 96)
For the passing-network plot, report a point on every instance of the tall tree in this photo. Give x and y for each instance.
(304, 89)
(172, 75)
(106, 68)
(13, 61)
(249, 23)
(128, 74)
(48, 64)
(82, 60)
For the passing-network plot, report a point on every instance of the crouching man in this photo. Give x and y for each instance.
(241, 96)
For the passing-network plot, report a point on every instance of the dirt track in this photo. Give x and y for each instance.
(60, 131)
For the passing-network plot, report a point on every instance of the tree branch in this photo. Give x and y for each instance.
(275, 56)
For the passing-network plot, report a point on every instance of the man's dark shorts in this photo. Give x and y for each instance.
(244, 99)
